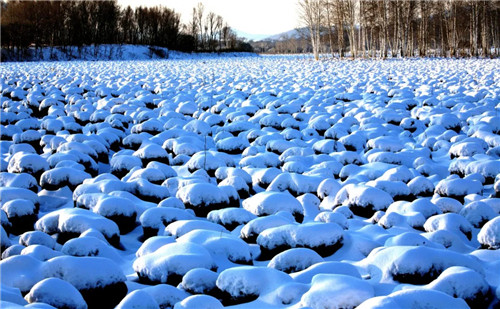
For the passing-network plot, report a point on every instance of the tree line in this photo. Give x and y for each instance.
(405, 28)
(65, 24)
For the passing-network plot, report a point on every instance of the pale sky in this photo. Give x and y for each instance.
(252, 17)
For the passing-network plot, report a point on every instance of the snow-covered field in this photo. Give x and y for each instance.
(259, 182)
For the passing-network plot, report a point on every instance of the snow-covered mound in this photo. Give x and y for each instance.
(270, 202)
(336, 291)
(170, 262)
(57, 293)
(324, 238)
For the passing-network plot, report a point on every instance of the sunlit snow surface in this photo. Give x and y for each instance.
(261, 182)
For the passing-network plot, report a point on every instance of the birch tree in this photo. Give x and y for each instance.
(310, 12)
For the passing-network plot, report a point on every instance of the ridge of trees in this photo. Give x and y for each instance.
(66, 24)
(405, 28)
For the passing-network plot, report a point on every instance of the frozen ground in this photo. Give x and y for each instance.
(253, 182)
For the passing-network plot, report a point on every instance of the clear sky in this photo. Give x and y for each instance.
(255, 18)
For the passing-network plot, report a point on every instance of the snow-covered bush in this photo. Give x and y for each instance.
(253, 228)
(22, 215)
(170, 262)
(324, 238)
(294, 260)
(100, 281)
(156, 219)
(247, 283)
(57, 293)
(415, 264)
(270, 202)
(230, 218)
(72, 222)
(203, 198)
(219, 245)
(489, 235)
(451, 222)
(414, 298)
(336, 291)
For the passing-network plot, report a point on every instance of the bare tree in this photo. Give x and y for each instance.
(311, 15)
(350, 14)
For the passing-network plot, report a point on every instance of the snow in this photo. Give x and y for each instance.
(336, 291)
(417, 298)
(309, 235)
(21, 271)
(37, 238)
(253, 228)
(40, 252)
(84, 272)
(269, 202)
(199, 280)
(181, 227)
(219, 244)
(76, 220)
(60, 176)
(199, 302)
(138, 299)
(384, 172)
(230, 216)
(458, 187)
(201, 194)
(89, 246)
(415, 264)
(57, 293)
(250, 280)
(18, 208)
(294, 260)
(27, 163)
(461, 282)
(172, 259)
(489, 235)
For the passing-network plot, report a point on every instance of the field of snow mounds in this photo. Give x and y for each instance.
(259, 182)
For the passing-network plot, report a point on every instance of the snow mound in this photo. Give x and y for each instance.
(336, 291)
(458, 188)
(57, 293)
(37, 238)
(156, 219)
(230, 218)
(324, 238)
(252, 229)
(450, 222)
(199, 281)
(199, 302)
(464, 283)
(181, 227)
(363, 200)
(417, 298)
(71, 222)
(489, 235)
(415, 264)
(84, 273)
(59, 177)
(170, 262)
(219, 244)
(247, 283)
(138, 299)
(269, 202)
(294, 260)
(203, 198)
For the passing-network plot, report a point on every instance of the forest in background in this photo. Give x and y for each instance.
(27, 26)
(404, 28)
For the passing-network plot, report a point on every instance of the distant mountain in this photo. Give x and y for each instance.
(294, 33)
(250, 36)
